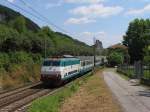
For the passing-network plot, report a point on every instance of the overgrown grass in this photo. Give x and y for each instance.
(123, 75)
(20, 75)
(52, 103)
(130, 73)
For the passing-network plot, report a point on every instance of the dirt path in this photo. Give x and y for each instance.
(132, 98)
(94, 96)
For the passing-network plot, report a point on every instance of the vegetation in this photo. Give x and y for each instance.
(147, 55)
(115, 58)
(52, 103)
(137, 38)
(23, 44)
(117, 54)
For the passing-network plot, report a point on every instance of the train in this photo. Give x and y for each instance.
(55, 71)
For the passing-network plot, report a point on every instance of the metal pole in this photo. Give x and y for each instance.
(94, 49)
(45, 47)
(94, 55)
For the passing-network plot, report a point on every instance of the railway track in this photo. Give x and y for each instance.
(16, 90)
(13, 100)
(18, 100)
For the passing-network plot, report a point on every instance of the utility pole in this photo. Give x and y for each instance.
(94, 53)
(45, 48)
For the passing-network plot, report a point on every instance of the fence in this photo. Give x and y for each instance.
(138, 71)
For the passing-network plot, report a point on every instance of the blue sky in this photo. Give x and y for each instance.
(106, 20)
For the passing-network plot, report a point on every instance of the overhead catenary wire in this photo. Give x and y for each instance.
(38, 16)
(18, 7)
(45, 18)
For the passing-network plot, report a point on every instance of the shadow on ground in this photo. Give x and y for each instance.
(145, 93)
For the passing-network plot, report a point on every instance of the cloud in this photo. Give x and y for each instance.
(57, 4)
(107, 39)
(10, 0)
(139, 0)
(139, 11)
(96, 10)
(83, 20)
(93, 34)
(84, 1)
(88, 37)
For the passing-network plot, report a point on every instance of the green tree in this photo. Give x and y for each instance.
(136, 38)
(6, 33)
(20, 57)
(11, 44)
(147, 55)
(19, 24)
(115, 58)
(4, 61)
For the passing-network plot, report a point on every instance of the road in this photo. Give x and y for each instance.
(133, 98)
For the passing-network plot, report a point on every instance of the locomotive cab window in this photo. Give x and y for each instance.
(51, 63)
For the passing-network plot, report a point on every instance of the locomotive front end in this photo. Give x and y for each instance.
(51, 71)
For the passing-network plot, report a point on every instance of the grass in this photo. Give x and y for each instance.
(52, 103)
(20, 75)
(147, 74)
(93, 96)
(130, 73)
(123, 76)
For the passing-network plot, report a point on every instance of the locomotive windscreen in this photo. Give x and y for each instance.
(51, 63)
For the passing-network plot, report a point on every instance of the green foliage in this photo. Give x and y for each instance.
(11, 44)
(9, 16)
(115, 58)
(19, 23)
(4, 61)
(137, 38)
(147, 55)
(20, 57)
(6, 33)
(16, 34)
(147, 60)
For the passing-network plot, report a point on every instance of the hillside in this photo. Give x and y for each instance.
(7, 15)
(10, 21)
(23, 45)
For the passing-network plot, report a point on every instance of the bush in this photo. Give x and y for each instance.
(20, 57)
(147, 60)
(4, 61)
(37, 58)
(115, 59)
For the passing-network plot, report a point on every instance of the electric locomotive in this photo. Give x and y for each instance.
(57, 70)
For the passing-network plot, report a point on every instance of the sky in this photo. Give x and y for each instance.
(105, 20)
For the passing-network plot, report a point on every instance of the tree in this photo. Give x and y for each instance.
(11, 44)
(136, 38)
(19, 24)
(147, 55)
(115, 58)
(6, 33)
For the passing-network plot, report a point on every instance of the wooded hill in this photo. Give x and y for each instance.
(18, 33)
